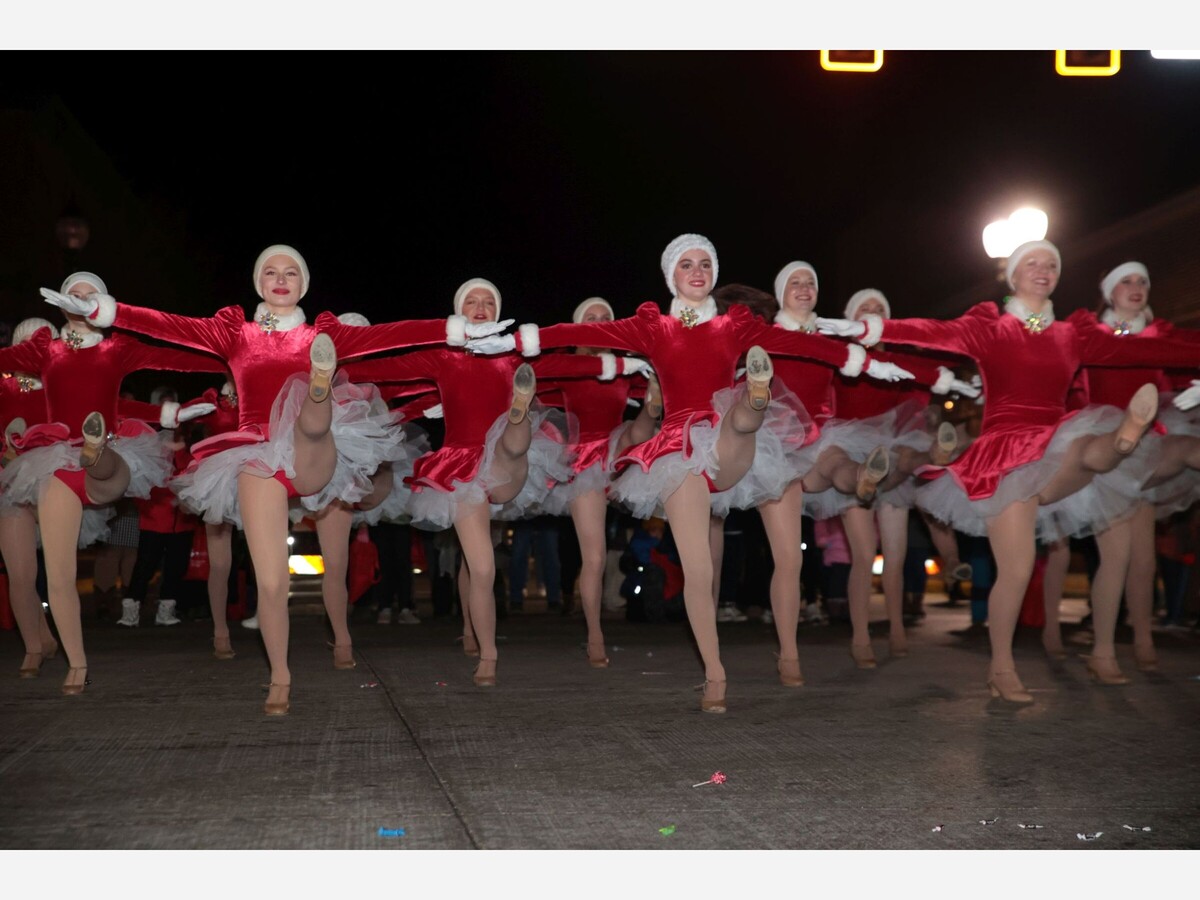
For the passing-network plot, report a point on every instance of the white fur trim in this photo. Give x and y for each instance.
(470, 284)
(608, 367)
(281, 250)
(856, 361)
(1134, 326)
(456, 331)
(286, 321)
(706, 310)
(227, 389)
(942, 385)
(859, 297)
(1114, 277)
(168, 415)
(531, 341)
(680, 246)
(106, 311)
(1029, 247)
(577, 316)
(785, 273)
(874, 330)
(88, 337)
(83, 278)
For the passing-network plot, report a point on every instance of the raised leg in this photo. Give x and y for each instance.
(315, 451)
(834, 469)
(1179, 452)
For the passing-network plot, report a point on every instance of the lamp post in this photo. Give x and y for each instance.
(1003, 236)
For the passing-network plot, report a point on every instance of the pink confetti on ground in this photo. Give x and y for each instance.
(440, 683)
(370, 684)
(717, 778)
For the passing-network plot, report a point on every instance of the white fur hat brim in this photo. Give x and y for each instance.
(1025, 248)
(860, 297)
(281, 250)
(587, 304)
(680, 246)
(467, 286)
(786, 272)
(27, 328)
(1113, 278)
(84, 278)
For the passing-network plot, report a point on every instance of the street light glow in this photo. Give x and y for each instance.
(1003, 236)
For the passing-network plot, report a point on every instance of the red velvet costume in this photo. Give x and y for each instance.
(269, 365)
(1027, 430)
(476, 392)
(694, 366)
(78, 382)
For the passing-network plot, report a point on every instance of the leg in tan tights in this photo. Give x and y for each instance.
(1139, 586)
(1011, 535)
(688, 513)
(107, 479)
(333, 534)
(860, 534)
(781, 521)
(944, 541)
(893, 544)
(220, 562)
(381, 486)
(834, 469)
(1107, 587)
(716, 549)
(264, 506)
(1179, 452)
(315, 451)
(18, 547)
(476, 580)
(1054, 580)
(588, 511)
(59, 515)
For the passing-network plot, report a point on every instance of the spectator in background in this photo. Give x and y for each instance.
(394, 591)
(538, 535)
(835, 555)
(1174, 544)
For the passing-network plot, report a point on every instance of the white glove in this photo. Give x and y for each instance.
(434, 412)
(496, 343)
(66, 302)
(964, 388)
(886, 371)
(195, 411)
(1186, 399)
(842, 328)
(977, 382)
(635, 365)
(487, 329)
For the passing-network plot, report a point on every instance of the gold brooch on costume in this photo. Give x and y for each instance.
(268, 322)
(73, 339)
(231, 398)
(689, 317)
(1036, 323)
(25, 384)
(1120, 329)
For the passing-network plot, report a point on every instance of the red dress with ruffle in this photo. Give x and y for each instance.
(1027, 430)
(695, 368)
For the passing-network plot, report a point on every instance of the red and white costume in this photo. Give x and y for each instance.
(269, 361)
(696, 367)
(1028, 364)
(82, 373)
(475, 393)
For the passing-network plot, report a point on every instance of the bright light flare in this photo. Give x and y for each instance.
(306, 565)
(1003, 236)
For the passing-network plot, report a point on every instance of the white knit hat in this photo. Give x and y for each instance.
(680, 246)
(26, 329)
(83, 278)
(281, 250)
(1028, 247)
(467, 286)
(785, 273)
(583, 307)
(1113, 278)
(356, 319)
(860, 297)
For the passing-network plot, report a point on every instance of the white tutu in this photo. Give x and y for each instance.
(94, 526)
(395, 506)
(436, 510)
(1106, 500)
(596, 477)
(147, 455)
(1183, 490)
(362, 430)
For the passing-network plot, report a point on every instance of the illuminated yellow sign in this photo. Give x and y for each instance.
(852, 60)
(1087, 62)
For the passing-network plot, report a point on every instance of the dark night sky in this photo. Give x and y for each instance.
(562, 175)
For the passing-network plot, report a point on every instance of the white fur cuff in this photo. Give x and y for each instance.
(456, 331)
(608, 367)
(874, 330)
(942, 385)
(106, 311)
(855, 361)
(168, 416)
(531, 342)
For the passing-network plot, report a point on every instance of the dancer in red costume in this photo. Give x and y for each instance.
(708, 436)
(841, 462)
(71, 461)
(1127, 554)
(603, 436)
(498, 458)
(22, 404)
(283, 370)
(1032, 461)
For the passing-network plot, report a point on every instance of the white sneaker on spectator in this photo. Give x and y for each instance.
(768, 617)
(727, 613)
(385, 616)
(407, 617)
(251, 623)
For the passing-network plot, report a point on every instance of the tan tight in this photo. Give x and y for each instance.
(781, 520)
(1054, 580)
(18, 547)
(333, 533)
(834, 469)
(1179, 452)
(220, 562)
(892, 540)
